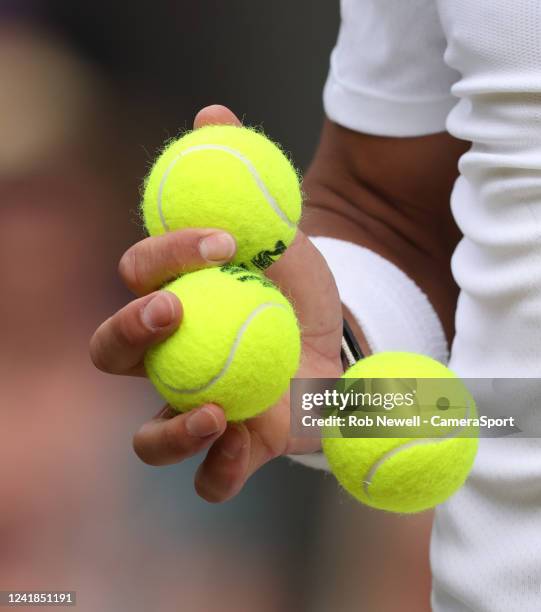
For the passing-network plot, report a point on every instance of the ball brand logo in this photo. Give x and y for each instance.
(265, 258)
(243, 275)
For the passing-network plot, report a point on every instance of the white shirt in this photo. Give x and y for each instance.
(414, 67)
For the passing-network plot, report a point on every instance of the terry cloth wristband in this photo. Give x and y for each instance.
(392, 311)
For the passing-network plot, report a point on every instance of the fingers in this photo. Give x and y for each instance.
(246, 447)
(215, 114)
(243, 449)
(119, 344)
(148, 264)
(303, 275)
(163, 441)
(235, 453)
(223, 472)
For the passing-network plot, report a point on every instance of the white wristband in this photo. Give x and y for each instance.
(394, 314)
(392, 311)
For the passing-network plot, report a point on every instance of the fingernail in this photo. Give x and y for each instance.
(232, 443)
(159, 312)
(217, 247)
(202, 423)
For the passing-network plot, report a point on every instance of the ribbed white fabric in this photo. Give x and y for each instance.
(393, 56)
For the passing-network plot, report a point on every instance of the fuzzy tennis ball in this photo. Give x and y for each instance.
(238, 344)
(232, 178)
(407, 474)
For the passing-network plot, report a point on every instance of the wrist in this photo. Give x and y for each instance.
(388, 309)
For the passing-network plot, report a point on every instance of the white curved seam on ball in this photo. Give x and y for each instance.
(231, 355)
(394, 451)
(249, 166)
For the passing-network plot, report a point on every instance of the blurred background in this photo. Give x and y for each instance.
(89, 91)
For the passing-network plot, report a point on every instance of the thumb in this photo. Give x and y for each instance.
(302, 274)
(215, 114)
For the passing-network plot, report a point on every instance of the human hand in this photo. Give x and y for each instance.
(235, 450)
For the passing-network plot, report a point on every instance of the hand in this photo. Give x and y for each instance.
(118, 346)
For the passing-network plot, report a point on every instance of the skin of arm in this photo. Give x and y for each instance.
(390, 195)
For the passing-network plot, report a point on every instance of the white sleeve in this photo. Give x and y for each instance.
(485, 551)
(387, 73)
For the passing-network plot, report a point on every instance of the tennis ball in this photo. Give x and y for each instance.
(238, 344)
(232, 178)
(406, 475)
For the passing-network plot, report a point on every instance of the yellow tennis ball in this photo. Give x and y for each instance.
(238, 344)
(232, 178)
(407, 474)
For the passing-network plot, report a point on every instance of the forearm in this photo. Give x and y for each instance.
(390, 195)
